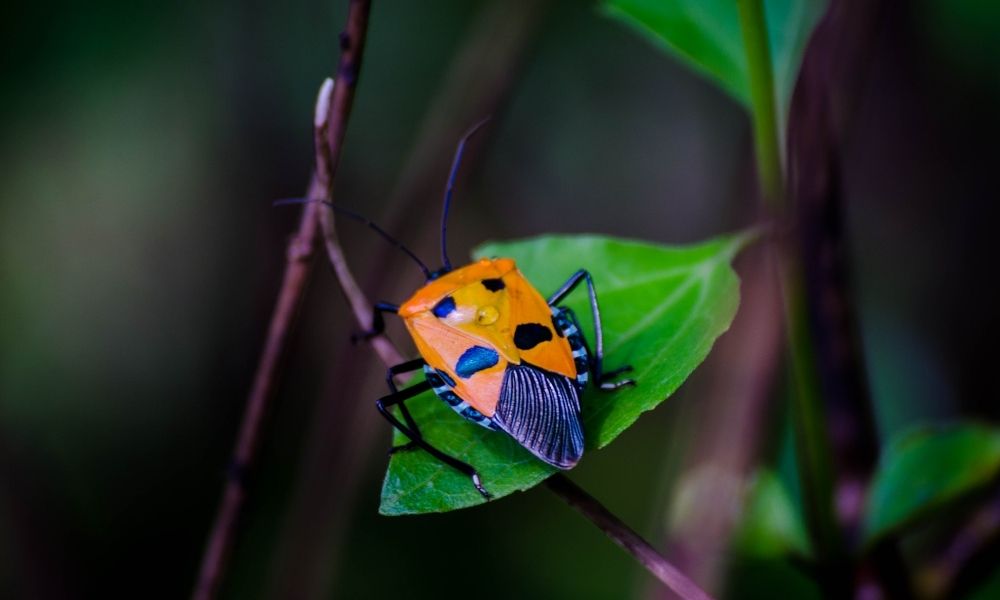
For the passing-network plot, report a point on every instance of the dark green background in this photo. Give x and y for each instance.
(142, 145)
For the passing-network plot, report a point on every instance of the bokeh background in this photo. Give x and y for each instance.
(143, 143)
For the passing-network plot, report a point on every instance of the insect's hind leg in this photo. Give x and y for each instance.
(383, 405)
(390, 374)
(378, 322)
(597, 358)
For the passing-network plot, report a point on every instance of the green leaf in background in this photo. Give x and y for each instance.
(662, 308)
(705, 34)
(923, 471)
(771, 525)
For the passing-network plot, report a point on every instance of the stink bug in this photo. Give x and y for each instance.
(496, 351)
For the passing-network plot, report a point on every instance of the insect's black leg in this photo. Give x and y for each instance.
(385, 403)
(390, 374)
(378, 322)
(605, 376)
(597, 362)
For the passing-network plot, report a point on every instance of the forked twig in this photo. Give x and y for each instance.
(297, 271)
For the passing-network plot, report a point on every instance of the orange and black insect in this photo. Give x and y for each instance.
(496, 351)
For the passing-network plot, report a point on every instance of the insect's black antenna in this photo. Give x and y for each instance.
(450, 187)
(357, 217)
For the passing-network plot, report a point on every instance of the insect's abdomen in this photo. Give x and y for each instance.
(444, 390)
(564, 319)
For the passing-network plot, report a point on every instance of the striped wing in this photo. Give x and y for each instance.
(541, 410)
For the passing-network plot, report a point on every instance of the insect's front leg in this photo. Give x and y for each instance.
(378, 322)
(385, 403)
(597, 360)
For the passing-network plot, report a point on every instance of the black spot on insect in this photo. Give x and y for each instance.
(494, 285)
(434, 380)
(447, 378)
(444, 308)
(451, 398)
(529, 335)
(476, 359)
(575, 342)
(581, 364)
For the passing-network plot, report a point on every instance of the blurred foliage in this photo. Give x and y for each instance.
(964, 32)
(706, 35)
(662, 309)
(927, 470)
(771, 525)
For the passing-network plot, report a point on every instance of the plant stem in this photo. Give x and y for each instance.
(762, 100)
(812, 437)
(815, 466)
(624, 536)
(283, 319)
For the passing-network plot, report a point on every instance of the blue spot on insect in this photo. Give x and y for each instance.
(444, 308)
(476, 359)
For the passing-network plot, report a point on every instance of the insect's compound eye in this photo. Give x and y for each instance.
(487, 315)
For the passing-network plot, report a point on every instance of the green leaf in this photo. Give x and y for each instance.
(662, 309)
(923, 471)
(705, 34)
(771, 526)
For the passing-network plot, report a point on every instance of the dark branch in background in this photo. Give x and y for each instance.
(283, 319)
(830, 83)
(828, 86)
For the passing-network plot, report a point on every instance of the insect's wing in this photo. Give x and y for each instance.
(541, 410)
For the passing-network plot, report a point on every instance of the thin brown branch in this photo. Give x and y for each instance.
(624, 536)
(283, 319)
(361, 306)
